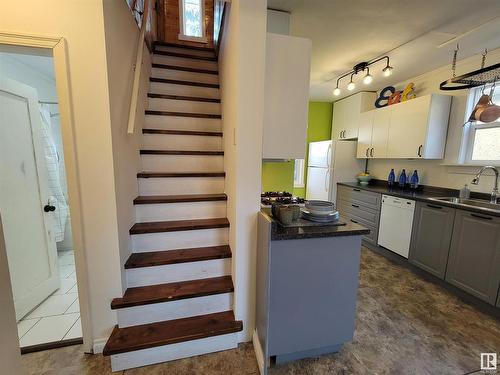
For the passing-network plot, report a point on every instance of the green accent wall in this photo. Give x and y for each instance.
(279, 175)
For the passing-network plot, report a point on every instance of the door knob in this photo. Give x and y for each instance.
(49, 208)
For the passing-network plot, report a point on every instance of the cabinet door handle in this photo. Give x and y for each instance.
(371, 152)
(436, 207)
(367, 152)
(356, 190)
(340, 134)
(482, 217)
(419, 152)
(354, 221)
(355, 205)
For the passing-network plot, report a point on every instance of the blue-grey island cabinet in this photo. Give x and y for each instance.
(307, 281)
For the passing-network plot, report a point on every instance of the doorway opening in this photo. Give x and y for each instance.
(34, 202)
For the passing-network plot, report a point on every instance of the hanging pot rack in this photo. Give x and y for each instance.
(479, 77)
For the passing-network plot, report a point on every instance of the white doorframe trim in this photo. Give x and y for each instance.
(59, 50)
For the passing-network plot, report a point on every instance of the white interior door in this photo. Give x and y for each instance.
(31, 248)
(318, 183)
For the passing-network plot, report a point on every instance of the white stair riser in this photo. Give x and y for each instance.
(181, 142)
(189, 106)
(183, 123)
(179, 240)
(171, 352)
(184, 76)
(193, 52)
(185, 62)
(181, 185)
(158, 312)
(172, 273)
(184, 90)
(179, 211)
(182, 163)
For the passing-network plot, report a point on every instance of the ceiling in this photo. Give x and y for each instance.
(418, 36)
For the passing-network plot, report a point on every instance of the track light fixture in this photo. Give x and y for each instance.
(368, 78)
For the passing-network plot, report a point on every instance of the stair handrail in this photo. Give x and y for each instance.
(137, 70)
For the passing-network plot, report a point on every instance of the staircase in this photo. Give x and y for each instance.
(180, 293)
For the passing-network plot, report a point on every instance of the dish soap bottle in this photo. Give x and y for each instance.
(465, 192)
(392, 178)
(414, 180)
(402, 179)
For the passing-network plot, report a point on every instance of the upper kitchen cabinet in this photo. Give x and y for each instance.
(288, 61)
(346, 114)
(418, 128)
(373, 133)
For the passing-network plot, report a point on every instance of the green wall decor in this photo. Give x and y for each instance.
(279, 175)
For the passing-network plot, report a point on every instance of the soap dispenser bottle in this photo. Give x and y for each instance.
(465, 192)
(414, 180)
(402, 179)
(392, 178)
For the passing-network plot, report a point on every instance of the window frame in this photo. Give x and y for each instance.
(182, 35)
(300, 182)
(470, 128)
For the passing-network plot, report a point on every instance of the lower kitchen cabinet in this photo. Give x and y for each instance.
(431, 237)
(474, 259)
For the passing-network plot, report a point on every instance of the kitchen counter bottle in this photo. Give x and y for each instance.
(414, 180)
(402, 179)
(392, 178)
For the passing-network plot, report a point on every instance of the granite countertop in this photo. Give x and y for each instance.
(280, 232)
(423, 193)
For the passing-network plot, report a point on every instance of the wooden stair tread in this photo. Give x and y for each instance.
(182, 114)
(185, 55)
(145, 295)
(186, 83)
(181, 152)
(162, 258)
(184, 46)
(155, 199)
(178, 225)
(180, 97)
(181, 132)
(151, 335)
(180, 174)
(185, 68)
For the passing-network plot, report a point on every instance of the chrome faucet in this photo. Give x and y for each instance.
(494, 193)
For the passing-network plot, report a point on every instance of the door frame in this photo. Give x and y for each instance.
(60, 56)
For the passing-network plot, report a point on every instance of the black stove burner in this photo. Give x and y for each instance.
(282, 197)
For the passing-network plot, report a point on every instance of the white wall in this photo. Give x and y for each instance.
(81, 24)
(122, 36)
(10, 357)
(442, 172)
(278, 22)
(242, 71)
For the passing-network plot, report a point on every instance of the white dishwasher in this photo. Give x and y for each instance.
(396, 221)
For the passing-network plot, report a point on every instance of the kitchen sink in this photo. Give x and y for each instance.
(470, 202)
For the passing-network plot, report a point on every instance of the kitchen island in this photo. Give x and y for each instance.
(307, 281)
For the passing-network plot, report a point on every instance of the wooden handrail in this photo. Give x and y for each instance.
(137, 70)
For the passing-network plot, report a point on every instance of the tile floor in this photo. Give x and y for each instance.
(405, 325)
(58, 317)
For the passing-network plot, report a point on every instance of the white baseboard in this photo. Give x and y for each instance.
(98, 345)
(259, 354)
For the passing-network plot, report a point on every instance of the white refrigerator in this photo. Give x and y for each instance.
(330, 162)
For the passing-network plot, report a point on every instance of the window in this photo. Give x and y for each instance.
(482, 139)
(298, 175)
(191, 20)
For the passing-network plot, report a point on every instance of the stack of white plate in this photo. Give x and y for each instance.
(320, 211)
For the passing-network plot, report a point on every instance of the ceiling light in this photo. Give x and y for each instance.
(361, 68)
(387, 71)
(367, 78)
